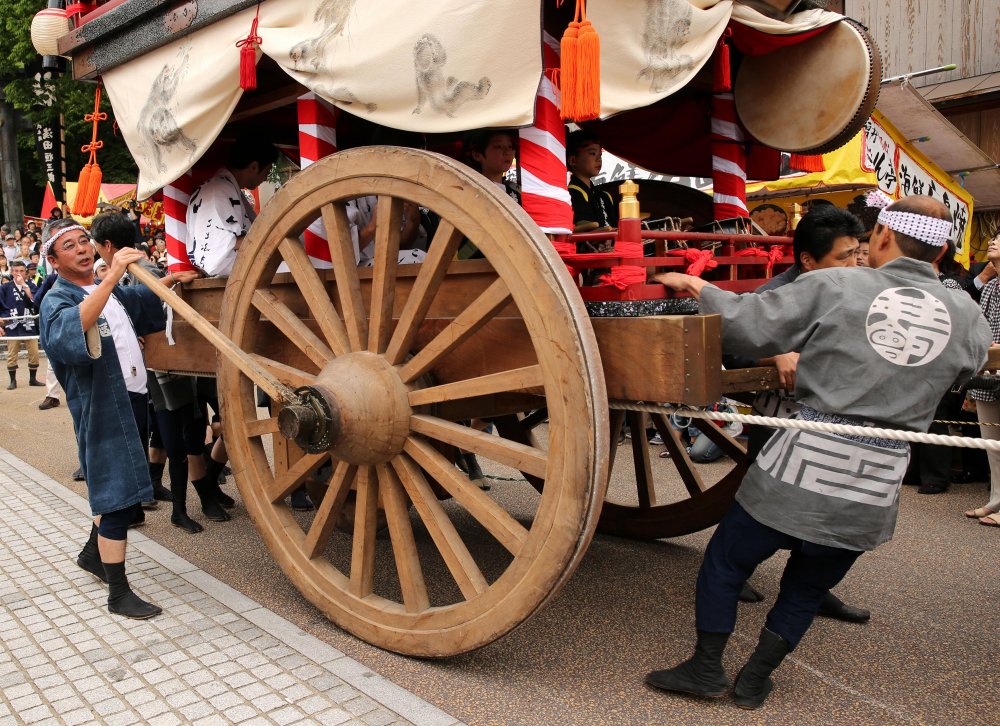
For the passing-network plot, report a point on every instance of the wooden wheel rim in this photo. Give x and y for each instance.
(567, 354)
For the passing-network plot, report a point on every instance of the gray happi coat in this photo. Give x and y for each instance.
(877, 345)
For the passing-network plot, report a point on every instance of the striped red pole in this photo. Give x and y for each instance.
(729, 160)
(544, 195)
(317, 139)
(175, 203)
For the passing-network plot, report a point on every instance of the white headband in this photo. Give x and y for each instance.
(47, 245)
(929, 230)
(878, 199)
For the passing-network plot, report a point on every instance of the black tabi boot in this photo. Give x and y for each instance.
(121, 599)
(160, 492)
(701, 674)
(89, 558)
(33, 377)
(206, 488)
(833, 607)
(753, 684)
(13, 379)
(212, 470)
(178, 495)
(749, 594)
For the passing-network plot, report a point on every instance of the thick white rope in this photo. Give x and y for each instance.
(964, 442)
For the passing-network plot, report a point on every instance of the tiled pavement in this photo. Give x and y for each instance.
(214, 657)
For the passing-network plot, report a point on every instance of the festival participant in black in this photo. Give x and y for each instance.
(828, 497)
(17, 303)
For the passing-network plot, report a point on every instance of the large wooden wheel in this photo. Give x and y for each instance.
(698, 500)
(388, 360)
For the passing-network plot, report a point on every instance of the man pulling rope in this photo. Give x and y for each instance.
(877, 347)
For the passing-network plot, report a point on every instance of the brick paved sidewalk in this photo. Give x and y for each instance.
(214, 657)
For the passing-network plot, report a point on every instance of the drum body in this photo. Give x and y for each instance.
(814, 96)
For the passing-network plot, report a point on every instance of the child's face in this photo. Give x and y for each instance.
(586, 163)
(498, 156)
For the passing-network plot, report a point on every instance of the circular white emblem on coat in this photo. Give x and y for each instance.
(907, 326)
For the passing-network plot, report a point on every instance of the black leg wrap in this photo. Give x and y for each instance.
(89, 558)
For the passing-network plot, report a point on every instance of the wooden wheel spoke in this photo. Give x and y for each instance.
(287, 374)
(316, 296)
(404, 546)
(685, 467)
(480, 312)
(365, 529)
(291, 479)
(432, 271)
(729, 445)
(527, 459)
(261, 427)
(345, 269)
(292, 326)
(643, 467)
(389, 218)
(497, 521)
(456, 555)
(329, 509)
(513, 380)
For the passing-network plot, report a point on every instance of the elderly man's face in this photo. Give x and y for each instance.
(73, 255)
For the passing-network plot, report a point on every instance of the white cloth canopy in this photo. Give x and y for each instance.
(420, 65)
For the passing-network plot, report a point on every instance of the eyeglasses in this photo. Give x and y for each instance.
(70, 243)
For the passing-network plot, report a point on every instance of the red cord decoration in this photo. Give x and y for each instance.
(248, 55)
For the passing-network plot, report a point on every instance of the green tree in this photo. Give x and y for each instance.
(19, 64)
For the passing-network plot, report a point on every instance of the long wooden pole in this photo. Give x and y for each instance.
(254, 371)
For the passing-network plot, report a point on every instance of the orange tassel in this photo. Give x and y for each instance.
(81, 191)
(807, 162)
(88, 189)
(588, 68)
(568, 71)
(248, 56)
(580, 63)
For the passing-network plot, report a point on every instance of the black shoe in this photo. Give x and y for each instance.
(225, 500)
(162, 494)
(185, 522)
(140, 519)
(47, 403)
(833, 607)
(701, 674)
(932, 489)
(151, 504)
(78, 475)
(92, 565)
(753, 684)
(132, 606)
(12, 386)
(35, 382)
(749, 594)
(301, 502)
(210, 507)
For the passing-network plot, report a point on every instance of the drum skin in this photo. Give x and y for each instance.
(812, 97)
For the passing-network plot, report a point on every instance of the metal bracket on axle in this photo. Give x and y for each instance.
(312, 422)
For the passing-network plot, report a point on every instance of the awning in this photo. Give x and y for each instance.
(927, 130)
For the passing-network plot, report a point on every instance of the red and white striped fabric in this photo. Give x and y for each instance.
(317, 139)
(175, 203)
(729, 160)
(544, 195)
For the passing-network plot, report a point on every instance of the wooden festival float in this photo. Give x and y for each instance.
(374, 370)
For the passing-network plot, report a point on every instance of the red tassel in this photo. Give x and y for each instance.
(248, 56)
(722, 82)
(807, 162)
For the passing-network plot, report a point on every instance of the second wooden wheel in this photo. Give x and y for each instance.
(392, 359)
(701, 497)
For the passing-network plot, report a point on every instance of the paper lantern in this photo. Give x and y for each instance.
(46, 28)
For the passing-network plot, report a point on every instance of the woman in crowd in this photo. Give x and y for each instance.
(4, 269)
(987, 402)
